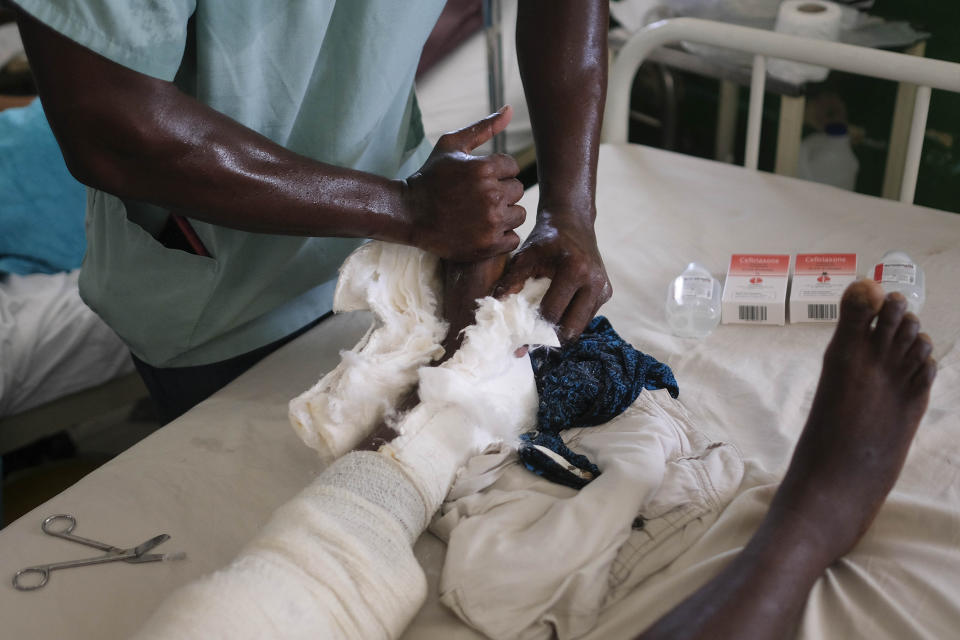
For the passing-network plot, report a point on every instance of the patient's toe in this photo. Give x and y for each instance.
(924, 376)
(889, 318)
(906, 333)
(918, 354)
(861, 302)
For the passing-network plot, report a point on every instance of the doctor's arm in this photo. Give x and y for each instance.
(562, 51)
(141, 138)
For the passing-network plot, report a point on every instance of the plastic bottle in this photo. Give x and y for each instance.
(896, 271)
(693, 303)
(827, 158)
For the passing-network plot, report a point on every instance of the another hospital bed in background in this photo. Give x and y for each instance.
(59, 363)
(212, 477)
(927, 74)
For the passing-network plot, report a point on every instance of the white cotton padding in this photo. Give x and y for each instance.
(482, 395)
(482, 377)
(334, 562)
(401, 286)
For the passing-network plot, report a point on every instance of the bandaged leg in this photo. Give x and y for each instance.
(400, 286)
(334, 562)
(337, 560)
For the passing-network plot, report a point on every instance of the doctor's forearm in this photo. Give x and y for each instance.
(206, 166)
(562, 51)
(202, 164)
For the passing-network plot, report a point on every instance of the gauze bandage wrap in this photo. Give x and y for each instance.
(400, 286)
(334, 562)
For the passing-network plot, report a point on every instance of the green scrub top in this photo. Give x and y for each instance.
(329, 79)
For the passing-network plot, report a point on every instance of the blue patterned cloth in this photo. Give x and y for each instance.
(583, 384)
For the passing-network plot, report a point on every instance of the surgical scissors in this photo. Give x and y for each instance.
(136, 554)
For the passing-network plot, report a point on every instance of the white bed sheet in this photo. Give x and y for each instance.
(213, 477)
(454, 93)
(51, 343)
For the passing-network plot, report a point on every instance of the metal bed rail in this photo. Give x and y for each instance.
(926, 73)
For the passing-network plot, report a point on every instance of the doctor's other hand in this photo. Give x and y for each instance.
(563, 248)
(463, 207)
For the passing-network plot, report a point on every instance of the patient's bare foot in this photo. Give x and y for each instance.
(872, 393)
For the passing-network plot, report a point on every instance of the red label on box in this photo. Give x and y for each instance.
(815, 264)
(742, 264)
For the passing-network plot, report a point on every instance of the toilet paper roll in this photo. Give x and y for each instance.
(810, 19)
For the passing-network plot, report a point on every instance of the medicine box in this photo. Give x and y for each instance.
(819, 280)
(756, 289)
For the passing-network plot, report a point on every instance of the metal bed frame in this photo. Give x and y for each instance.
(926, 73)
(493, 31)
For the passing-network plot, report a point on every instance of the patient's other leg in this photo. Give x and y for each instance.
(872, 393)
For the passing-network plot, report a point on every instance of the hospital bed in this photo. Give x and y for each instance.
(212, 478)
(60, 364)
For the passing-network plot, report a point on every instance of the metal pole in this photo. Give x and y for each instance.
(918, 130)
(755, 114)
(493, 29)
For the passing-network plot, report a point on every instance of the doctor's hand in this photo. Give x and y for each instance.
(563, 248)
(463, 207)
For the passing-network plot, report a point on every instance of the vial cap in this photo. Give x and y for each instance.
(836, 129)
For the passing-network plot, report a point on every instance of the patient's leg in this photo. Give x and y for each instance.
(463, 285)
(872, 393)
